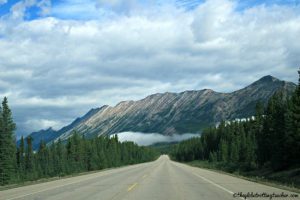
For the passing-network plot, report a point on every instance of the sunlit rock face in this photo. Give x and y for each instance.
(175, 113)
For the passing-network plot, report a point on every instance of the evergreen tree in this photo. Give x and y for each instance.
(43, 160)
(92, 156)
(21, 159)
(213, 157)
(71, 154)
(259, 133)
(293, 128)
(29, 160)
(278, 138)
(7, 144)
(251, 146)
(234, 151)
(223, 149)
(102, 160)
(271, 140)
(243, 144)
(57, 159)
(60, 159)
(52, 160)
(267, 134)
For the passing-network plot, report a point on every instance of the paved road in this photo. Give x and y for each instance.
(162, 179)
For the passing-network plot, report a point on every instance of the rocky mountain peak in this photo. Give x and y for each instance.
(50, 129)
(173, 113)
(266, 80)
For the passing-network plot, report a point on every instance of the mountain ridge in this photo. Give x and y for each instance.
(175, 113)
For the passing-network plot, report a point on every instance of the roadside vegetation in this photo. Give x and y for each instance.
(266, 146)
(286, 179)
(76, 155)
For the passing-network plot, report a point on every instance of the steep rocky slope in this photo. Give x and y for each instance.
(176, 113)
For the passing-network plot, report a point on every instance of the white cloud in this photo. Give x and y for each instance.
(45, 6)
(116, 3)
(79, 64)
(146, 139)
(3, 2)
(211, 18)
(18, 9)
(124, 6)
(38, 124)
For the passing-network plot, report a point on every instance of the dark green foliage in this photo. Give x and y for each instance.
(223, 151)
(78, 155)
(234, 151)
(21, 159)
(30, 172)
(58, 159)
(212, 157)
(293, 128)
(8, 154)
(270, 140)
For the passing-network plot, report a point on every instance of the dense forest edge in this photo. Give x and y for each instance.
(20, 164)
(266, 146)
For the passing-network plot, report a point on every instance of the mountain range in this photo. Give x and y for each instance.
(170, 113)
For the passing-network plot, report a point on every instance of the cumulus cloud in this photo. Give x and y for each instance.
(53, 68)
(45, 7)
(118, 5)
(211, 19)
(3, 2)
(146, 139)
(18, 11)
(129, 7)
(38, 124)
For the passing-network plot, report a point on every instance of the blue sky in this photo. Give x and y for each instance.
(61, 58)
(80, 9)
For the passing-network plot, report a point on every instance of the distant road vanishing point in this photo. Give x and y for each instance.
(162, 179)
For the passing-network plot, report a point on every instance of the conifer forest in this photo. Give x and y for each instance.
(270, 139)
(77, 154)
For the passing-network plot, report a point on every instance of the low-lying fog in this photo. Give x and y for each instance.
(146, 139)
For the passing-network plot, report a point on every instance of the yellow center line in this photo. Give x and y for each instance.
(131, 187)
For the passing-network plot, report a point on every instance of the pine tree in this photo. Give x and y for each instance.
(29, 160)
(52, 158)
(92, 156)
(2, 150)
(243, 144)
(112, 151)
(259, 133)
(271, 139)
(293, 128)
(250, 151)
(71, 154)
(213, 157)
(102, 160)
(223, 149)
(43, 160)
(7, 144)
(21, 159)
(267, 134)
(278, 139)
(60, 159)
(234, 151)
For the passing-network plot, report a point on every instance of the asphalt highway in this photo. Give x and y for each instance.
(162, 179)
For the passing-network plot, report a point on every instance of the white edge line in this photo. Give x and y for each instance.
(52, 188)
(215, 184)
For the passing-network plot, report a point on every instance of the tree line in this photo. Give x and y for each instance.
(77, 154)
(271, 139)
